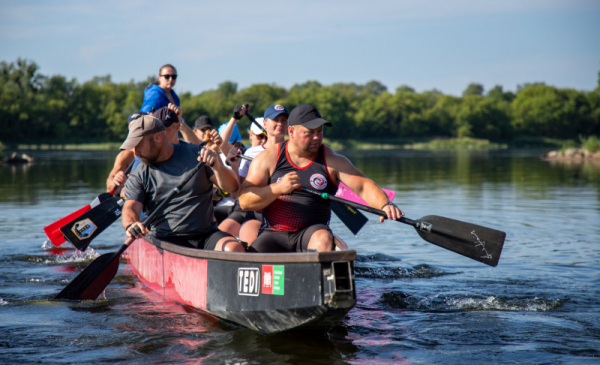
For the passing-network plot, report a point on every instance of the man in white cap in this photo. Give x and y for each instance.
(300, 221)
(189, 218)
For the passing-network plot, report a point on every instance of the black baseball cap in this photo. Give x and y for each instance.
(203, 122)
(167, 116)
(307, 116)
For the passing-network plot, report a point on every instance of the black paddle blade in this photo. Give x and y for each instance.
(82, 230)
(470, 240)
(92, 281)
(352, 218)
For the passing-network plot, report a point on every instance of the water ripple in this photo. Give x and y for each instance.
(418, 271)
(443, 302)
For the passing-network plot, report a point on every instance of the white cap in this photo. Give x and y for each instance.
(255, 129)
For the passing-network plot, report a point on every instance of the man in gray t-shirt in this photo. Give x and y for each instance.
(188, 219)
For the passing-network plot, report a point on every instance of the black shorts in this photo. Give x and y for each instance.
(205, 241)
(242, 216)
(272, 241)
(222, 212)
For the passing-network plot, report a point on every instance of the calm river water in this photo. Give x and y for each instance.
(418, 303)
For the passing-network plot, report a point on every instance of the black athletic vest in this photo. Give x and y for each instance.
(296, 211)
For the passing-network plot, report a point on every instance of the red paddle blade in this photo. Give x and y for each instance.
(92, 281)
(53, 230)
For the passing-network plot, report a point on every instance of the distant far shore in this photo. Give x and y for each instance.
(433, 143)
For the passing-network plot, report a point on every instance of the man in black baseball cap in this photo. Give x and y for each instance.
(171, 121)
(308, 116)
(203, 126)
(300, 221)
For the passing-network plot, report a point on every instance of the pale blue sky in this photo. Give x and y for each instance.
(439, 44)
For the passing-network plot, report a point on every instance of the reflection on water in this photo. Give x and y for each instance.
(417, 303)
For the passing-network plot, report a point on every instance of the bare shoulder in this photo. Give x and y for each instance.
(262, 167)
(266, 158)
(336, 161)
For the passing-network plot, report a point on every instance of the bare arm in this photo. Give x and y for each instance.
(131, 216)
(228, 130)
(188, 134)
(117, 175)
(256, 192)
(341, 169)
(223, 177)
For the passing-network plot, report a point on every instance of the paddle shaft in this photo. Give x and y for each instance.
(255, 122)
(244, 157)
(359, 206)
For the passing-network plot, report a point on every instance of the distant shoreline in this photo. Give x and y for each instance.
(433, 143)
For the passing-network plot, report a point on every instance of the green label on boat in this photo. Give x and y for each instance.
(278, 279)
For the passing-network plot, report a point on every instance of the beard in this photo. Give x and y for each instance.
(152, 156)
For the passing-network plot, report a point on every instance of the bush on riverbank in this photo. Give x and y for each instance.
(35, 108)
(591, 143)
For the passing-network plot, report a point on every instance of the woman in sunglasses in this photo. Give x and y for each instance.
(160, 93)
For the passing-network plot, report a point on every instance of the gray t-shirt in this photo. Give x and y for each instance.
(190, 212)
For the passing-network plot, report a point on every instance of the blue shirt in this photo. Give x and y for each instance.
(155, 97)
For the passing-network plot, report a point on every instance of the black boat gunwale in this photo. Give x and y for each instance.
(289, 257)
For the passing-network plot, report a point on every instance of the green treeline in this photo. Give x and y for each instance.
(38, 108)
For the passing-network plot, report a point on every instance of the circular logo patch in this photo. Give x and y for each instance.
(278, 107)
(318, 181)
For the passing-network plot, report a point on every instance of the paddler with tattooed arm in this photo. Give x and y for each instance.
(296, 220)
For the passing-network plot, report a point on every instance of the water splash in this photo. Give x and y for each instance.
(47, 245)
(77, 256)
(419, 271)
(443, 302)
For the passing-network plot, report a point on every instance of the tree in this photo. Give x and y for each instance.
(404, 89)
(228, 88)
(373, 87)
(473, 89)
(483, 118)
(497, 93)
(542, 110)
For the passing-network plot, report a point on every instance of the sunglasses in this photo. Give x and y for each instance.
(168, 77)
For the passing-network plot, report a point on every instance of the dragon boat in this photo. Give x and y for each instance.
(268, 293)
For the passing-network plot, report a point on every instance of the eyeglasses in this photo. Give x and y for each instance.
(168, 77)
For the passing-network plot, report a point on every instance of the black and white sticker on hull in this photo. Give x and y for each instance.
(248, 281)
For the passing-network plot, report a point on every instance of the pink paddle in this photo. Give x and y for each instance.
(344, 192)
